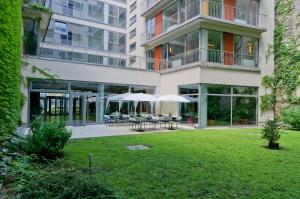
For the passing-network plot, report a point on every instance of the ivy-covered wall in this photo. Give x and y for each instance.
(10, 63)
(285, 80)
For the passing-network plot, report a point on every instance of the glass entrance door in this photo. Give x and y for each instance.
(78, 109)
(91, 113)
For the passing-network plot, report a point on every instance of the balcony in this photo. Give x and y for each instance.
(201, 55)
(39, 11)
(89, 56)
(206, 13)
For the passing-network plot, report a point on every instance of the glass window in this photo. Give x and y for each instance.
(249, 51)
(241, 90)
(150, 28)
(218, 89)
(84, 87)
(214, 44)
(150, 59)
(53, 85)
(132, 60)
(30, 36)
(133, 6)
(215, 8)
(132, 46)
(132, 33)
(192, 8)
(49, 105)
(96, 10)
(218, 110)
(181, 11)
(244, 110)
(170, 16)
(132, 20)
(192, 47)
(176, 52)
(247, 11)
(189, 111)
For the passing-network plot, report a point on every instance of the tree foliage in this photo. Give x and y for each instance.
(285, 79)
(10, 62)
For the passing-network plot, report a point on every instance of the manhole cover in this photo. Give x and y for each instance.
(138, 147)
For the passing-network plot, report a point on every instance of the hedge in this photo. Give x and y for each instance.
(10, 64)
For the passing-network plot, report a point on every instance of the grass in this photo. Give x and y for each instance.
(231, 163)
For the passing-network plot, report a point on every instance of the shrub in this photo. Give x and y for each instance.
(291, 116)
(47, 138)
(66, 184)
(271, 133)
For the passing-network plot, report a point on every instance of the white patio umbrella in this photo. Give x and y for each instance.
(116, 98)
(140, 97)
(172, 98)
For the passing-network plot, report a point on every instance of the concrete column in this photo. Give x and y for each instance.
(202, 106)
(71, 110)
(101, 104)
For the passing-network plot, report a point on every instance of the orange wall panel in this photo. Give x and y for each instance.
(228, 48)
(158, 24)
(229, 9)
(157, 57)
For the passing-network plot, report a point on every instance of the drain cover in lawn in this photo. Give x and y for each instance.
(138, 147)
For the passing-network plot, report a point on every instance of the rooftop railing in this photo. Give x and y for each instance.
(211, 9)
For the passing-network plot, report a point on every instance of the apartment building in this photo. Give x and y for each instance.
(213, 52)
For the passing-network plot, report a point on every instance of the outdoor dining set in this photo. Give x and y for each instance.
(144, 121)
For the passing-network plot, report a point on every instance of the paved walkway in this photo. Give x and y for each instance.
(90, 131)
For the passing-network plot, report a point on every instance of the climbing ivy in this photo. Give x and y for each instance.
(285, 79)
(10, 63)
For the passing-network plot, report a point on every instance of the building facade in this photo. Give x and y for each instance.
(213, 52)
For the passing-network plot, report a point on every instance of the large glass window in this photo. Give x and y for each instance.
(246, 51)
(30, 36)
(150, 59)
(189, 111)
(218, 110)
(49, 105)
(150, 28)
(192, 47)
(170, 16)
(244, 110)
(177, 52)
(192, 8)
(96, 10)
(247, 11)
(93, 10)
(212, 43)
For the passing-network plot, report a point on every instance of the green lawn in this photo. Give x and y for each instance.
(231, 163)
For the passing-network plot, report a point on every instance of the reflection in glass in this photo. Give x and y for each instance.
(218, 110)
(244, 110)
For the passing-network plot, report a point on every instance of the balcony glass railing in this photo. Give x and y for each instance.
(206, 8)
(147, 4)
(84, 12)
(204, 55)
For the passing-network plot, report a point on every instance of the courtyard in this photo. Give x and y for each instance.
(212, 163)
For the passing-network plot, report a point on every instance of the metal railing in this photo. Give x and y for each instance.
(207, 8)
(204, 55)
(83, 12)
(89, 56)
(77, 40)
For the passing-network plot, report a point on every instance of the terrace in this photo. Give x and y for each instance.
(179, 16)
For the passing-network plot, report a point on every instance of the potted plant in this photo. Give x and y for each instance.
(271, 133)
